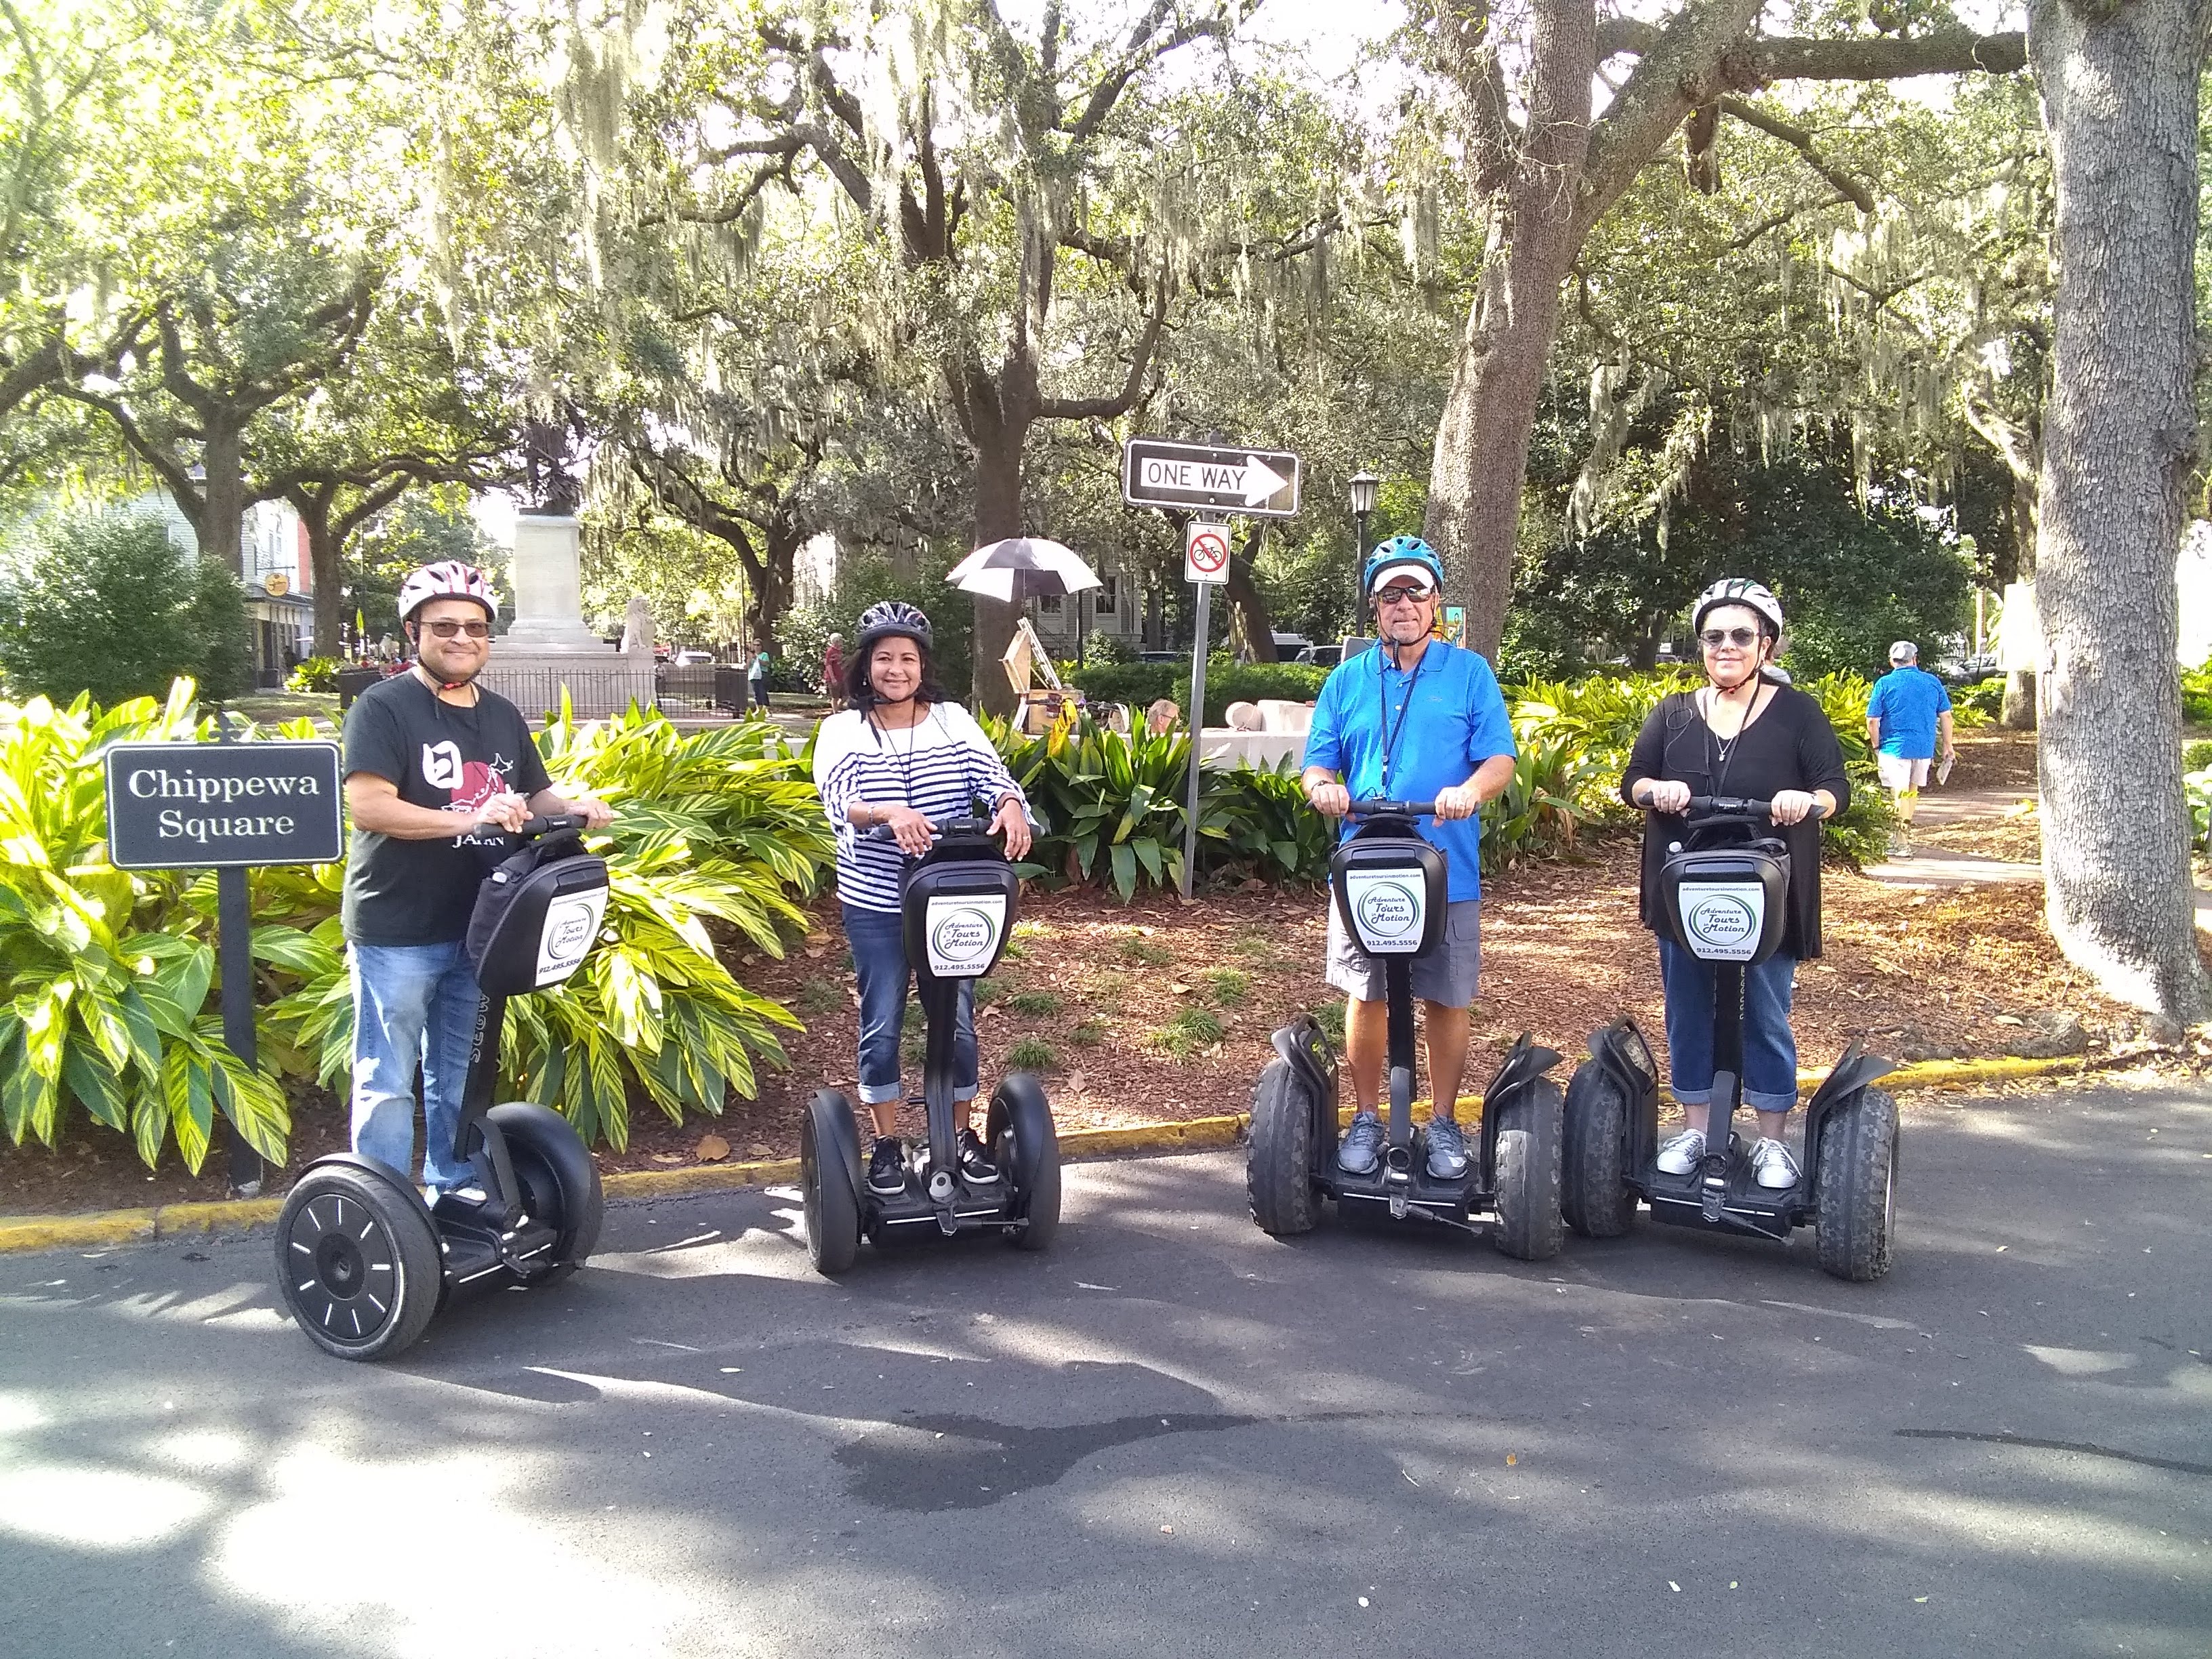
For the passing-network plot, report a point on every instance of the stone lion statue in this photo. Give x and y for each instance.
(637, 626)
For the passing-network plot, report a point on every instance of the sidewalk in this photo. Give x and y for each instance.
(1942, 866)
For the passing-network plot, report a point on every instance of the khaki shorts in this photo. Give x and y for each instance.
(1898, 773)
(1448, 975)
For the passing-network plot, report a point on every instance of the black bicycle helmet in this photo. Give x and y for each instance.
(891, 619)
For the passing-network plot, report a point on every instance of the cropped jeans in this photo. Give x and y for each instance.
(1770, 1051)
(414, 1005)
(879, 942)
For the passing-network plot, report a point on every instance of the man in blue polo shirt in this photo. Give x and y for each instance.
(1416, 718)
(1907, 713)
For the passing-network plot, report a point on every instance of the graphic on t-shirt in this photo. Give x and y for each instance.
(442, 764)
(478, 783)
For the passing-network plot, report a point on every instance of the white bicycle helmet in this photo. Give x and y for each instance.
(448, 579)
(1738, 590)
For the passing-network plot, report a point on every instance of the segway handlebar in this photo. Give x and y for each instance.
(1393, 808)
(938, 827)
(552, 823)
(1739, 809)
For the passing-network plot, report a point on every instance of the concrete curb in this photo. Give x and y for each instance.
(24, 1234)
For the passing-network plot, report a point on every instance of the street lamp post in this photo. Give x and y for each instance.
(1364, 486)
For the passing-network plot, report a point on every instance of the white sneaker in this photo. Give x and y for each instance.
(1683, 1153)
(1772, 1167)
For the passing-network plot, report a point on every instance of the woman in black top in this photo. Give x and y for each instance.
(1743, 733)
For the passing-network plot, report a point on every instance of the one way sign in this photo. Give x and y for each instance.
(1160, 472)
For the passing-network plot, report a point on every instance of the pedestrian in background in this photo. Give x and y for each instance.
(1908, 725)
(756, 679)
(833, 672)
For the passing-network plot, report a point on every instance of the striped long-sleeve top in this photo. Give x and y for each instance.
(937, 767)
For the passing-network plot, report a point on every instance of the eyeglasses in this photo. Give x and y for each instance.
(445, 630)
(1716, 637)
(1400, 592)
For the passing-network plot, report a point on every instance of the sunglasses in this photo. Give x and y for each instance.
(1400, 592)
(1716, 637)
(445, 630)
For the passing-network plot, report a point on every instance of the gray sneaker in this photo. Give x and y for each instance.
(1682, 1153)
(1447, 1150)
(1361, 1149)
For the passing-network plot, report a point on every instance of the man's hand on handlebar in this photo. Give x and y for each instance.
(1662, 796)
(1458, 801)
(1330, 800)
(1014, 824)
(506, 811)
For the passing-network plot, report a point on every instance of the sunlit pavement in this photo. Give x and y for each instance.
(1170, 1436)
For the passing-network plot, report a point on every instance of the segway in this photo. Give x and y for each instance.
(1390, 889)
(362, 1261)
(1726, 904)
(957, 913)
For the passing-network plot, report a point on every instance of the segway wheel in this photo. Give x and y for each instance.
(833, 1209)
(1595, 1201)
(1279, 1159)
(357, 1261)
(560, 1180)
(1855, 1206)
(1020, 1121)
(1529, 1227)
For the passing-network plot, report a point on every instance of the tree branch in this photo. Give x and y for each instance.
(1079, 409)
(1801, 141)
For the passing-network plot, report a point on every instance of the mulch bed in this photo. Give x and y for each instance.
(1158, 1011)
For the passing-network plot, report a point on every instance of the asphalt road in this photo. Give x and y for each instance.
(1170, 1436)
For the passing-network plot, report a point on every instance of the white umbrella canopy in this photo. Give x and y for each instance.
(1023, 568)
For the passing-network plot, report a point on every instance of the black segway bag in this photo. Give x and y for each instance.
(537, 916)
(1727, 904)
(959, 910)
(1392, 891)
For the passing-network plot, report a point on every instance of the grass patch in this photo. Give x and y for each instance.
(1141, 950)
(912, 1020)
(1330, 1017)
(1032, 1055)
(988, 991)
(1035, 1003)
(1013, 952)
(819, 997)
(1187, 1033)
(913, 1048)
(1255, 945)
(1228, 986)
(1088, 1034)
(1030, 929)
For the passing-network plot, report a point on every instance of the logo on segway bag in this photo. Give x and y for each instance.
(963, 933)
(1723, 923)
(572, 922)
(1390, 911)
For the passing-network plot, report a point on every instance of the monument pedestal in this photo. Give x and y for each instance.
(550, 649)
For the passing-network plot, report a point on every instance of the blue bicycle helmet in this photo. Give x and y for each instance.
(1401, 555)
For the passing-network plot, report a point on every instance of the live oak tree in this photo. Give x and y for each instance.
(2120, 83)
(1543, 167)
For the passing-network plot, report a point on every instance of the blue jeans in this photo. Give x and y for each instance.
(413, 1004)
(1770, 1052)
(879, 942)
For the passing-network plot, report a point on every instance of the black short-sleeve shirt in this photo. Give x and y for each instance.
(449, 759)
(1790, 746)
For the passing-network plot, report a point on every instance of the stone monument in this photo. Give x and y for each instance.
(637, 626)
(550, 647)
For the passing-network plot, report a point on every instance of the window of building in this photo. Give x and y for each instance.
(1048, 605)
(1107, 598)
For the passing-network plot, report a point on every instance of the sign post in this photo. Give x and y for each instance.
(232, 807)
(1206, 561)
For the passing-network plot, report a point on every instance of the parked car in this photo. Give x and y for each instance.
(1321, 656)
(1163, 656)
(692, 657)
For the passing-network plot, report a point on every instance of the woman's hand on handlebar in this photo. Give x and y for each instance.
(1791, 806)
(911, 830)
(1663, 795)
(1014, 823)
(1331, 800)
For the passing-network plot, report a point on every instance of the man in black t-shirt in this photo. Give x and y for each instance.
(437, 769)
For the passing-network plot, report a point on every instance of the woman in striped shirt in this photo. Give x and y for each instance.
(901, 754)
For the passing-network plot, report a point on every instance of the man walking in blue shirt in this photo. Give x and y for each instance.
(1907, 715)
(1415, 718)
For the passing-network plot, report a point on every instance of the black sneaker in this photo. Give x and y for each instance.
(887, 1167)
(976, 1165)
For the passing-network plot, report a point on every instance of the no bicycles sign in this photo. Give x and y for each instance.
(1206, 553)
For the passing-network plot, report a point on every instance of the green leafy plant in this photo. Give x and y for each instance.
(1228, 986)
(315, 674)
(1038, 1005)
(1032, 1055)
(105, 977)
(1191, 1030)
(1087, 1033)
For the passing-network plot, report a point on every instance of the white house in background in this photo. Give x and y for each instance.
(278, 574)
(1116, 608)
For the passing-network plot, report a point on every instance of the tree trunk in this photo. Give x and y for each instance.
(998, 444)
(1245, 599)
(1482, 440)
(222, 492)
(325, 562)
(2119, 89)
(2017, 713)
